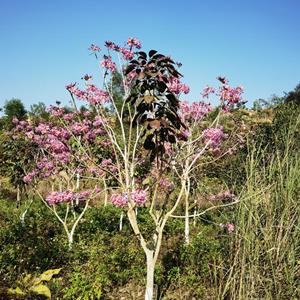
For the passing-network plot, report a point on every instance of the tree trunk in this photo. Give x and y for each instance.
(121, 221)
(18, 196)
(187, 223)
(105, 193)
(150, 275)
(70, 240)
(195, 212)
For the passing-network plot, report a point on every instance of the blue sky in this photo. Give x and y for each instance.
(253, 43)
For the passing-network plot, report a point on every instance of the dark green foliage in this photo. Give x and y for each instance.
(103, 261)
(294, 96)
(16, 156)
(14, 108)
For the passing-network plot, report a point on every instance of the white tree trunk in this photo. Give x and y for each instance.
(70, 240)
(105, 193)
(121, 221)
(187, 223)
(150, 275)
(195, 212)
(18, 196)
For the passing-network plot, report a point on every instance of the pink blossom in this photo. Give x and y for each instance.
(166, 184)
(94, 48)
(177, 87)
(127, 54)
(108, 64)
(200, 110)
(56, 111)
(119, 200)
(111, 45)
(86, 113)
(228, 226)
(139, 197)
(68, 116)
(134, 42)
(71, 87)
(194, 112)
(214, 136)
(231, 95)
(223, 195)
(106, 143)
(97, 189)
(106, 163)
(207, 90)
(81, 196)
(29, 177)
(79, 128)
(130, 77)
(15, 120)
(98, 121)
(67, 196)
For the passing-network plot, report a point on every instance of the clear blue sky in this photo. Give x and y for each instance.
(44, 44)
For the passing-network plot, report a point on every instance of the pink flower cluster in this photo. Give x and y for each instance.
(177, 87)
(108, 165)
(194, 112)
(29, 177)
(139, 197)
(108, 64)
(166, 184)
(54, 141)
(207, 91)
(127, 54)
(228, 226)
(231, 95)
(119, 200)
(214, 136)
(94, 48)
(111, 46)
(92, 94)
(134, 42)
(67, 196)
(131, 42)
(56, 111)
(223, 195)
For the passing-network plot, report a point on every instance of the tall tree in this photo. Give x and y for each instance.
(14, 108)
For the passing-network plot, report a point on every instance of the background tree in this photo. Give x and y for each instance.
(294, 96)
(39, 110)
(14, 108)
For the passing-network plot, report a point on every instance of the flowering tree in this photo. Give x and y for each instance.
(59, 146)
(150, 131)
(206, 142)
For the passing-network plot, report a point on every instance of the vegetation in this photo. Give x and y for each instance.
(208, 198)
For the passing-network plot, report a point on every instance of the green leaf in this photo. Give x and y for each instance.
(146, 181)
(27, 278)
(16, 291)
(47, 275)
(41, 290)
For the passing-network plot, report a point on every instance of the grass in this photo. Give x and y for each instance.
(265, 251)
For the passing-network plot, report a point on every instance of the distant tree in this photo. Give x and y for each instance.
(273, 102)
(259, 104)
(14, 108)
(116, 87)
(39, 110)
(294, 96)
